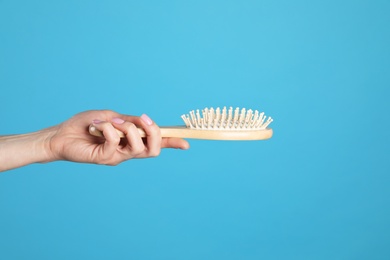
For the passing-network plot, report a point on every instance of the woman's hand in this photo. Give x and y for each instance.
(71, 141)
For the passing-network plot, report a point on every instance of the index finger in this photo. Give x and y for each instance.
(176, 143)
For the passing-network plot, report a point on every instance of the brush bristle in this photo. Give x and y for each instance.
(217, 119)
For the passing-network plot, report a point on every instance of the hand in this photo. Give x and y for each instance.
(71, 140)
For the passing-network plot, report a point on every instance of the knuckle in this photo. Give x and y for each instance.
(128, 127)
(115, 139)
(112, 140)
(137, 150)
(105, 124)
(128, 124)
(107, 127)
(154, 130)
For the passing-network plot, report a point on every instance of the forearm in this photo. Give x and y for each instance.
(20, 150)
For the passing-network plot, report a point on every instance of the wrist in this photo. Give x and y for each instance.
(44, 147)
(23, 149)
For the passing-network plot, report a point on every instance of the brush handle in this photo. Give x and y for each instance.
(184, 132)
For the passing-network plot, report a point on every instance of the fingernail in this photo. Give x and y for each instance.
(96, 121)
(186, 147)
(117, 120)
(146, 119)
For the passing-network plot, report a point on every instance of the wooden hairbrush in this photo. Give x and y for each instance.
(215, 124)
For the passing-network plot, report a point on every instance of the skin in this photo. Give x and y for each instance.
(71, 141)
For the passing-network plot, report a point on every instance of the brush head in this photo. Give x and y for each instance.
(226, 119)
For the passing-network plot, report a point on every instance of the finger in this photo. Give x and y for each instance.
(153, 136)
(173, 142)
(111, 136)
(135, 145)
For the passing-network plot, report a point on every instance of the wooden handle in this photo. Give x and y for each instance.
(184, 132)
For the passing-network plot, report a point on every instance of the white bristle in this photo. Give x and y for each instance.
(241, 118)
(192, 115)
(198, 117)
(235, 117)
(255, 117)
(215, 119)
(269, 121)
(223, 118)
(230, 116)
(186, 121)
(205, 114)
(260, 120)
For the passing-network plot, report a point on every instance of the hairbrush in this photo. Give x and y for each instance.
(215, 124)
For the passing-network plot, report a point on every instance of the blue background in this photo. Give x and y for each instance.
(319, 189)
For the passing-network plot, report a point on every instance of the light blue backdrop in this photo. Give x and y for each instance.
(319, 189)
